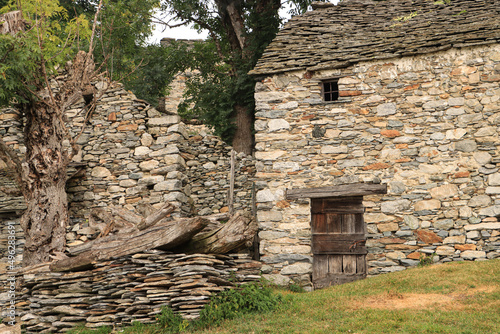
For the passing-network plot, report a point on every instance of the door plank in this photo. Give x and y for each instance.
(319, 223)
(349, 264)
(334, 264)
(320, 266)
(361, 264)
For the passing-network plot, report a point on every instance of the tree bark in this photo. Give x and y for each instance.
(238, 232)
(243, 137)
(43, 184)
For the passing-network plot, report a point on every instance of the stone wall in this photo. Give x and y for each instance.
(132, 288)
(427, 126)
(132, 155)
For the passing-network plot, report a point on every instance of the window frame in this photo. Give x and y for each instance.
(331, 92)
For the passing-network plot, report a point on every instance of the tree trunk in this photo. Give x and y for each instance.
(238, 232)
(243, 137)
(44, 179)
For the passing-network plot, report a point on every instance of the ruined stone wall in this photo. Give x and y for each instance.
(427, 126)
(131, 155)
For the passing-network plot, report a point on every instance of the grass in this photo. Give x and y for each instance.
(459, 297)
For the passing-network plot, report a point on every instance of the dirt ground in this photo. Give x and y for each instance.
(397, 301)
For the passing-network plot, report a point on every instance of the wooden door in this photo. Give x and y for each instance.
(338, 240)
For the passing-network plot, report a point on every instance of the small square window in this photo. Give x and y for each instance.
(331, 90)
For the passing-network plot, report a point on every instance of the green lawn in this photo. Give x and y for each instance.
(460, 297)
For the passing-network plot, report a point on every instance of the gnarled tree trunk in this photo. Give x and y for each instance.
(44, 178)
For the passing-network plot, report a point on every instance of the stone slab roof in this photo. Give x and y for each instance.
(361, 30)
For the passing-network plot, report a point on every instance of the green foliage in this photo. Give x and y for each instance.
(229, 304)
(156, 68)
(426, 260)
(48, 42)
(170, 322)
(81, 329)
(294, 287)
(221, 82)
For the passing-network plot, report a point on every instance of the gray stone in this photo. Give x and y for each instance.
(443, 224)
(297, 268)
(278, 124)
(480, 200)
(467, 145)
(494, 179)
(398, 206)
(412, 222)
(397, 187)
(386, 109)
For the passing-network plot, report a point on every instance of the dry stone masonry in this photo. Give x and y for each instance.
(423, 121)
(131, 288)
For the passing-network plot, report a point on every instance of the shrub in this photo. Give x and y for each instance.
(249, 298)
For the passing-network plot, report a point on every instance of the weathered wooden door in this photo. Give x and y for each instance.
(338, 240)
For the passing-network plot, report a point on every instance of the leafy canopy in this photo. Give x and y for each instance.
(239, 31)
(48, 41)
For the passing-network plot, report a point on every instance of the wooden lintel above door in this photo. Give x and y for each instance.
(355, 189)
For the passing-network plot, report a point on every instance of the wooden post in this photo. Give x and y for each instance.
(231, 184)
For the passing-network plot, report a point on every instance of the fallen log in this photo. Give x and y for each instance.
(140, 222)
(165, 236)
(238, 232)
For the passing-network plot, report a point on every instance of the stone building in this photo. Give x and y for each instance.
(369, 97)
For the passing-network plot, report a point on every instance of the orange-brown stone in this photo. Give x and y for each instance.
(412, 87)
(414, 256)
(461, 174)
(349, 93)
(127, 127)
(428, 237)
(283, 204)
(306, 117)
(390, 241)
(376, 166)
(465, 247)
(112, 117)
(401, 247)
(390, 133)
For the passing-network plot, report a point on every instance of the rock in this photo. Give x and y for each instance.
(398, 206)
(432, 204)
(473, 255)
(458, 239)
(444, 191)
(443, 224)
(466, 146)
(100, 172)
(297, 268)
(428, 237)
(386, 109)
(480, 200)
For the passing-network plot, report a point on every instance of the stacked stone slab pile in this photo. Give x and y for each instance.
(132, 288)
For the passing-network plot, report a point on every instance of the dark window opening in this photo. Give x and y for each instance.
(331, 90)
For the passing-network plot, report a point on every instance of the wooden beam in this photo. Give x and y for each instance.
(355, 189)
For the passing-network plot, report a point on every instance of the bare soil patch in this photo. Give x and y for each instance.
(399, 301)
